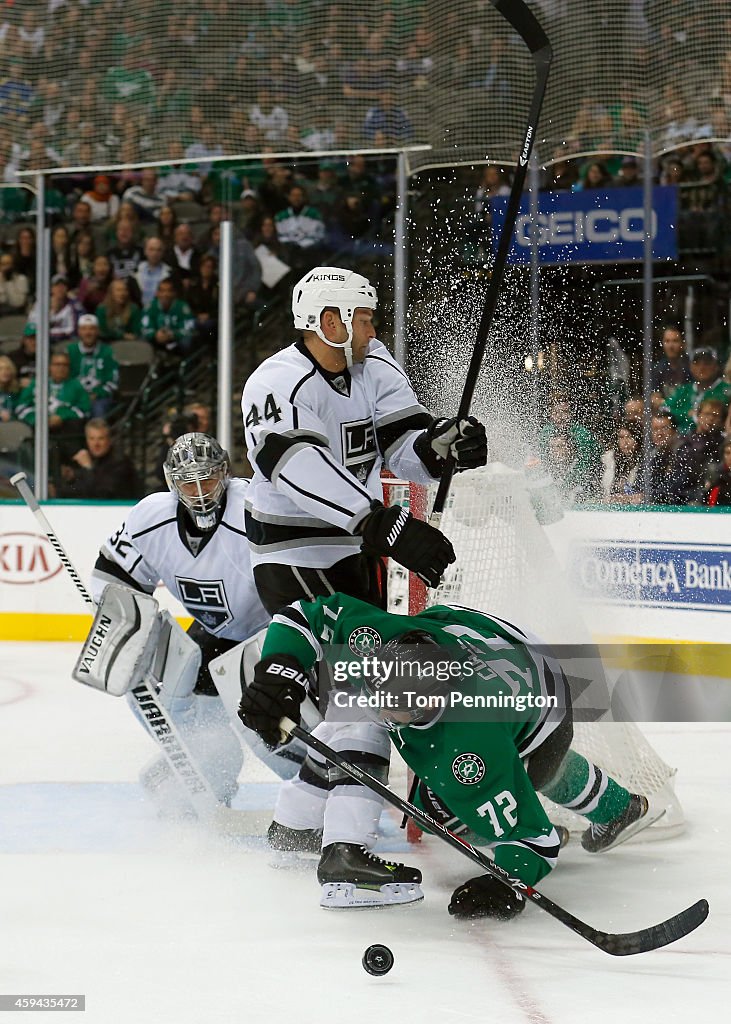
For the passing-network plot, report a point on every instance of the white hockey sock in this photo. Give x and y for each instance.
(300, 805)
(352, 811)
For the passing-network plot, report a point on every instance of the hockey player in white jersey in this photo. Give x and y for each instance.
(192, 538)
(321, 419)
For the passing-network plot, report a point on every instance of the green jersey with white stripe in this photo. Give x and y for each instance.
(508, 697)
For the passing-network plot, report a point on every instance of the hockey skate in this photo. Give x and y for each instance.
(637, 816)
(294, 840)
(351, 876)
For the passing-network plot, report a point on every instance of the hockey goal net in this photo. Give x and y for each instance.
(506, 565)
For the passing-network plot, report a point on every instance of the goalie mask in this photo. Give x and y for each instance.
(197, 470)
(409, 691)
(331, 288)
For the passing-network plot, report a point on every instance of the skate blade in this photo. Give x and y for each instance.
(638, 826)
(347, 895)
(291, 860)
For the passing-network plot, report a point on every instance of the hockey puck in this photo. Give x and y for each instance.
(378, 960)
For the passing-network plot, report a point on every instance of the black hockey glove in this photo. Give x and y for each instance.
(413, 544)
(485, 896)
(277, 690)
(465, 440)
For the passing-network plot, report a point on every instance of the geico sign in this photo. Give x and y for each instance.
(27, 558)
(574, 227)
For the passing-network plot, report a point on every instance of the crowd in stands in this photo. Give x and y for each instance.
(135, 253)
(130, 260)
(136, 270)
(701, 172)
(103, 82)
(690, 458)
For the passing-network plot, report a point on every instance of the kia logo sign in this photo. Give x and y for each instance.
(27, 558)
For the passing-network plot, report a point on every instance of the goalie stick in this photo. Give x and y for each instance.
(617, 944)
(153, 714)
(522, 20)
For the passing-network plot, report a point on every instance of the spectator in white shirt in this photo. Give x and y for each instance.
(146, 197)
(104, 204)
(271, 119)
(183, 258)
(63, 313)
(152, 270)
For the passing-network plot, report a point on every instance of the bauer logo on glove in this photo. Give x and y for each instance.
(279, 686)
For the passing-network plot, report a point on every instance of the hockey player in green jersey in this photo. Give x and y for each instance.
(478, 709)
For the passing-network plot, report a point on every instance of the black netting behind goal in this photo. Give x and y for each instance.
(111, 82)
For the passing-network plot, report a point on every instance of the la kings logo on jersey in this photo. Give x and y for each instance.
(359, 447)
(341, 384)
(206, 602)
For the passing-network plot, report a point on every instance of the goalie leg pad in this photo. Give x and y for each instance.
(203, 726)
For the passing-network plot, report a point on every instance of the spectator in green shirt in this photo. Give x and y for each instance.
(168, 322)
(570, 452)
(93, 363)
(120, 318)
(68, 408)
(707, 382)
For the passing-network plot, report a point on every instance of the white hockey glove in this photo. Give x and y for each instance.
(465, 440)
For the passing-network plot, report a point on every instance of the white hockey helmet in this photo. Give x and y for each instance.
(326, 287)
(192, 460)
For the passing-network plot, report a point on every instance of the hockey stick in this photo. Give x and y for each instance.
(521, 19)
(623, 944)
(153, 714)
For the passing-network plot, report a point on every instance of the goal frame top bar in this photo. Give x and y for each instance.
(243, 157)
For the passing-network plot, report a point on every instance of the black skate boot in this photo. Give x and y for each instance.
(636, 816)
(294, 840)
(351, 876)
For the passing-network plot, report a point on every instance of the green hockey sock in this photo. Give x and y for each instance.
(587, 790)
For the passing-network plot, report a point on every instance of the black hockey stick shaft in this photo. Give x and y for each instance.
(20, 482)
(616, 944)
(522, 20)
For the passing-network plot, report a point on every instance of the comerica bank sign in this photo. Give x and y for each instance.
(664, 574)
(592, 226)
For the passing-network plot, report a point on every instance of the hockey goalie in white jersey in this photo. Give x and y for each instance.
(191, 538)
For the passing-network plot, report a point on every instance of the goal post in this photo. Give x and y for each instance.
(505, 565)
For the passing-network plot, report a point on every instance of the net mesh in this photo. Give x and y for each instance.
(505, 565)
(114, 82)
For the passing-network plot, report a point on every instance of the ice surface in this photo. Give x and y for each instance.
(159, 924)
